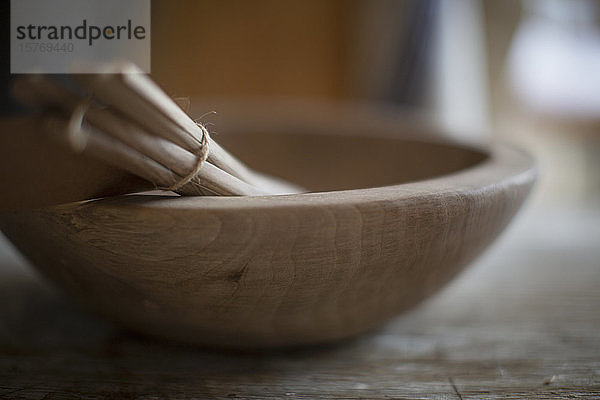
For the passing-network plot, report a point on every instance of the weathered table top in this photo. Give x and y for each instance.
(523, 321)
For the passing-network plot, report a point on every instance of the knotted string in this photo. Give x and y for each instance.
(78, 141)
(201, 156)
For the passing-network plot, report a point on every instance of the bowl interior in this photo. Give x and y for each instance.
(322, 162)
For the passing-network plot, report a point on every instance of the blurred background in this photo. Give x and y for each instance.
(523, 71)
(519, 70)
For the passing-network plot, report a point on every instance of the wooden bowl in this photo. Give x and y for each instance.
(293, 269)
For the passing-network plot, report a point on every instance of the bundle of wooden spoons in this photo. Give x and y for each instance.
(123, 118)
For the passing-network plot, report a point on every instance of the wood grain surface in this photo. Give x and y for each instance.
(265, 271)
(521, 323)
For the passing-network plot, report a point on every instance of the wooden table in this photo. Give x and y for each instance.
(522, 322)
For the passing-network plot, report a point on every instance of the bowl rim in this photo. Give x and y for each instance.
(505, 165)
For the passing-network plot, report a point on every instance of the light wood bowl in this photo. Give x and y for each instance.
(293, 269)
